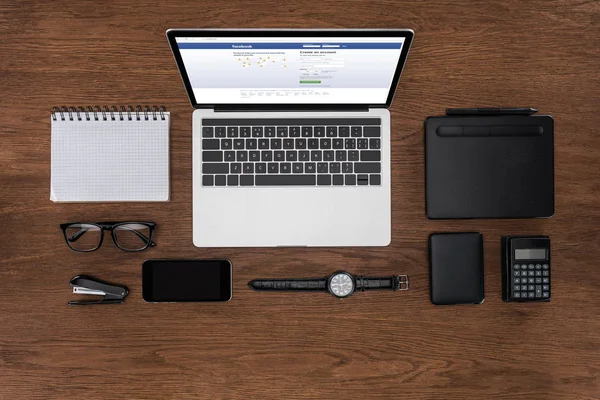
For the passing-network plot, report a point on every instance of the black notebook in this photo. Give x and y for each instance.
(489, 166)
(456, 267)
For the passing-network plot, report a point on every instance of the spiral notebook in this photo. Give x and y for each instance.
(102, 154)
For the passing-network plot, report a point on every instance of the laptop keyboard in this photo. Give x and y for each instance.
(291, 152)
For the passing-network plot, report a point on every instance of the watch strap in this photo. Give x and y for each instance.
(317, 285)
(395, 282)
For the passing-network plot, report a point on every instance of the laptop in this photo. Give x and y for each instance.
(291, 134)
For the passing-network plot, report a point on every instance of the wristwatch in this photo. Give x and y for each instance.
(340, 284)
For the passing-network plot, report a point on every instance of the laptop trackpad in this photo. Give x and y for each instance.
(290, 216)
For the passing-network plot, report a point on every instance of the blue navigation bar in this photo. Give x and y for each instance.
(284, 46)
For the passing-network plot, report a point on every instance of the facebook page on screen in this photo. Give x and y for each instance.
(349, 70)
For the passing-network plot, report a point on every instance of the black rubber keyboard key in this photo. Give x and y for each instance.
(269, 131)
(340, 155)
(304, 155)
(371, 131)
(232, 131)
(310, 168)
(362, 179)
(273, 168)
(215, 168)
(344, 131)
(220, 131)
(375, 180)
(291, 155)
(328, 155)
(238, 144)
(313, 143)
(251, 144)
(307, 131)
(350, 144)
(300, 144)
(232, 180)
(263, 143)
(370, 155)
(285, 168)
(248, 168)
(236, 168)
(210, 144)
(208, 156)
(285, 180)
(338, 180)
(331, 131)
(362, 143)
(207, 131)
(374, 143)
(257, 131)
(279, 155)
(297, 168)
(356, 131)
(367, 168)
(294, 131)
(316, 155)
(335, 167)
(220, 180)
(282, 131)
(350, 179)
(207, 180)
(347, 168)
(288, 144)
(245, 131)
(353, 155)
(266, 155)
(254, 156)
(319, 131)
(322, 168)
(324, 180)
(261, 168)
(337, 143)
(230, 156)
(325, 144)
(276, 144)
(241, 155)
(226, 144)
(247, 180)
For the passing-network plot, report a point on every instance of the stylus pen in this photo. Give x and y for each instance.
(491, 111)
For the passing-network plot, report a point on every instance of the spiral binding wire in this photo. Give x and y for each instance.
(103, 113)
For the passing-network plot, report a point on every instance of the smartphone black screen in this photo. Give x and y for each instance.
(186, 280)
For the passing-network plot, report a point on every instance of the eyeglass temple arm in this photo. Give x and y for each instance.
(78, 234)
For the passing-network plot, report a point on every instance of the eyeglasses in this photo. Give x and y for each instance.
(127, 236)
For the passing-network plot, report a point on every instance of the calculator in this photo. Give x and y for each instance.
(526, 268)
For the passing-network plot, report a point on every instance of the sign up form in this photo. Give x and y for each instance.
(290, 70)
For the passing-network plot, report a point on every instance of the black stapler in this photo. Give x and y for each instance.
(83, 284)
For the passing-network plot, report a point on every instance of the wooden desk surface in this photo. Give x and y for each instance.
(386, 345)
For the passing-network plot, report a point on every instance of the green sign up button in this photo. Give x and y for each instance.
(310, 82)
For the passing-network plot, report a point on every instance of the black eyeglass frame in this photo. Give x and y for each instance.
(110, 226)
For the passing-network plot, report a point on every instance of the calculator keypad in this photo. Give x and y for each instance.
(530, 282)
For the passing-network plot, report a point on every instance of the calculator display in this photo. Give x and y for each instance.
(530, 254)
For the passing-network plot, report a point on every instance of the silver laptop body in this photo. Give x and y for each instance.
(288, 148)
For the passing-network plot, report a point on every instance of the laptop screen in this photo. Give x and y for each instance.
(290, 70)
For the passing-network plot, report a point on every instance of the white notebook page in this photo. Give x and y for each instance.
(105, 161)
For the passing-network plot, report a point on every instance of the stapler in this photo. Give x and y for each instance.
(83, 284)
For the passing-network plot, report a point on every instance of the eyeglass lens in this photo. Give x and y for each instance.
(83, 237)
(132, 236)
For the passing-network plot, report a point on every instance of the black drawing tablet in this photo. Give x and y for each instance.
(489, 166)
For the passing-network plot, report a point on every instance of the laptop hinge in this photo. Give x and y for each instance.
(291, 109)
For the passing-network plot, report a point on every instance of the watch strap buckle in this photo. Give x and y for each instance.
(401, 282)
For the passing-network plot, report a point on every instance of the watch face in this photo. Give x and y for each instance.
(341, 284)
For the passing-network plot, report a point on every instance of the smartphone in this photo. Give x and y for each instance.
(186, 280)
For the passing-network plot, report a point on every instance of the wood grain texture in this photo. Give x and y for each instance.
(280, 346)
